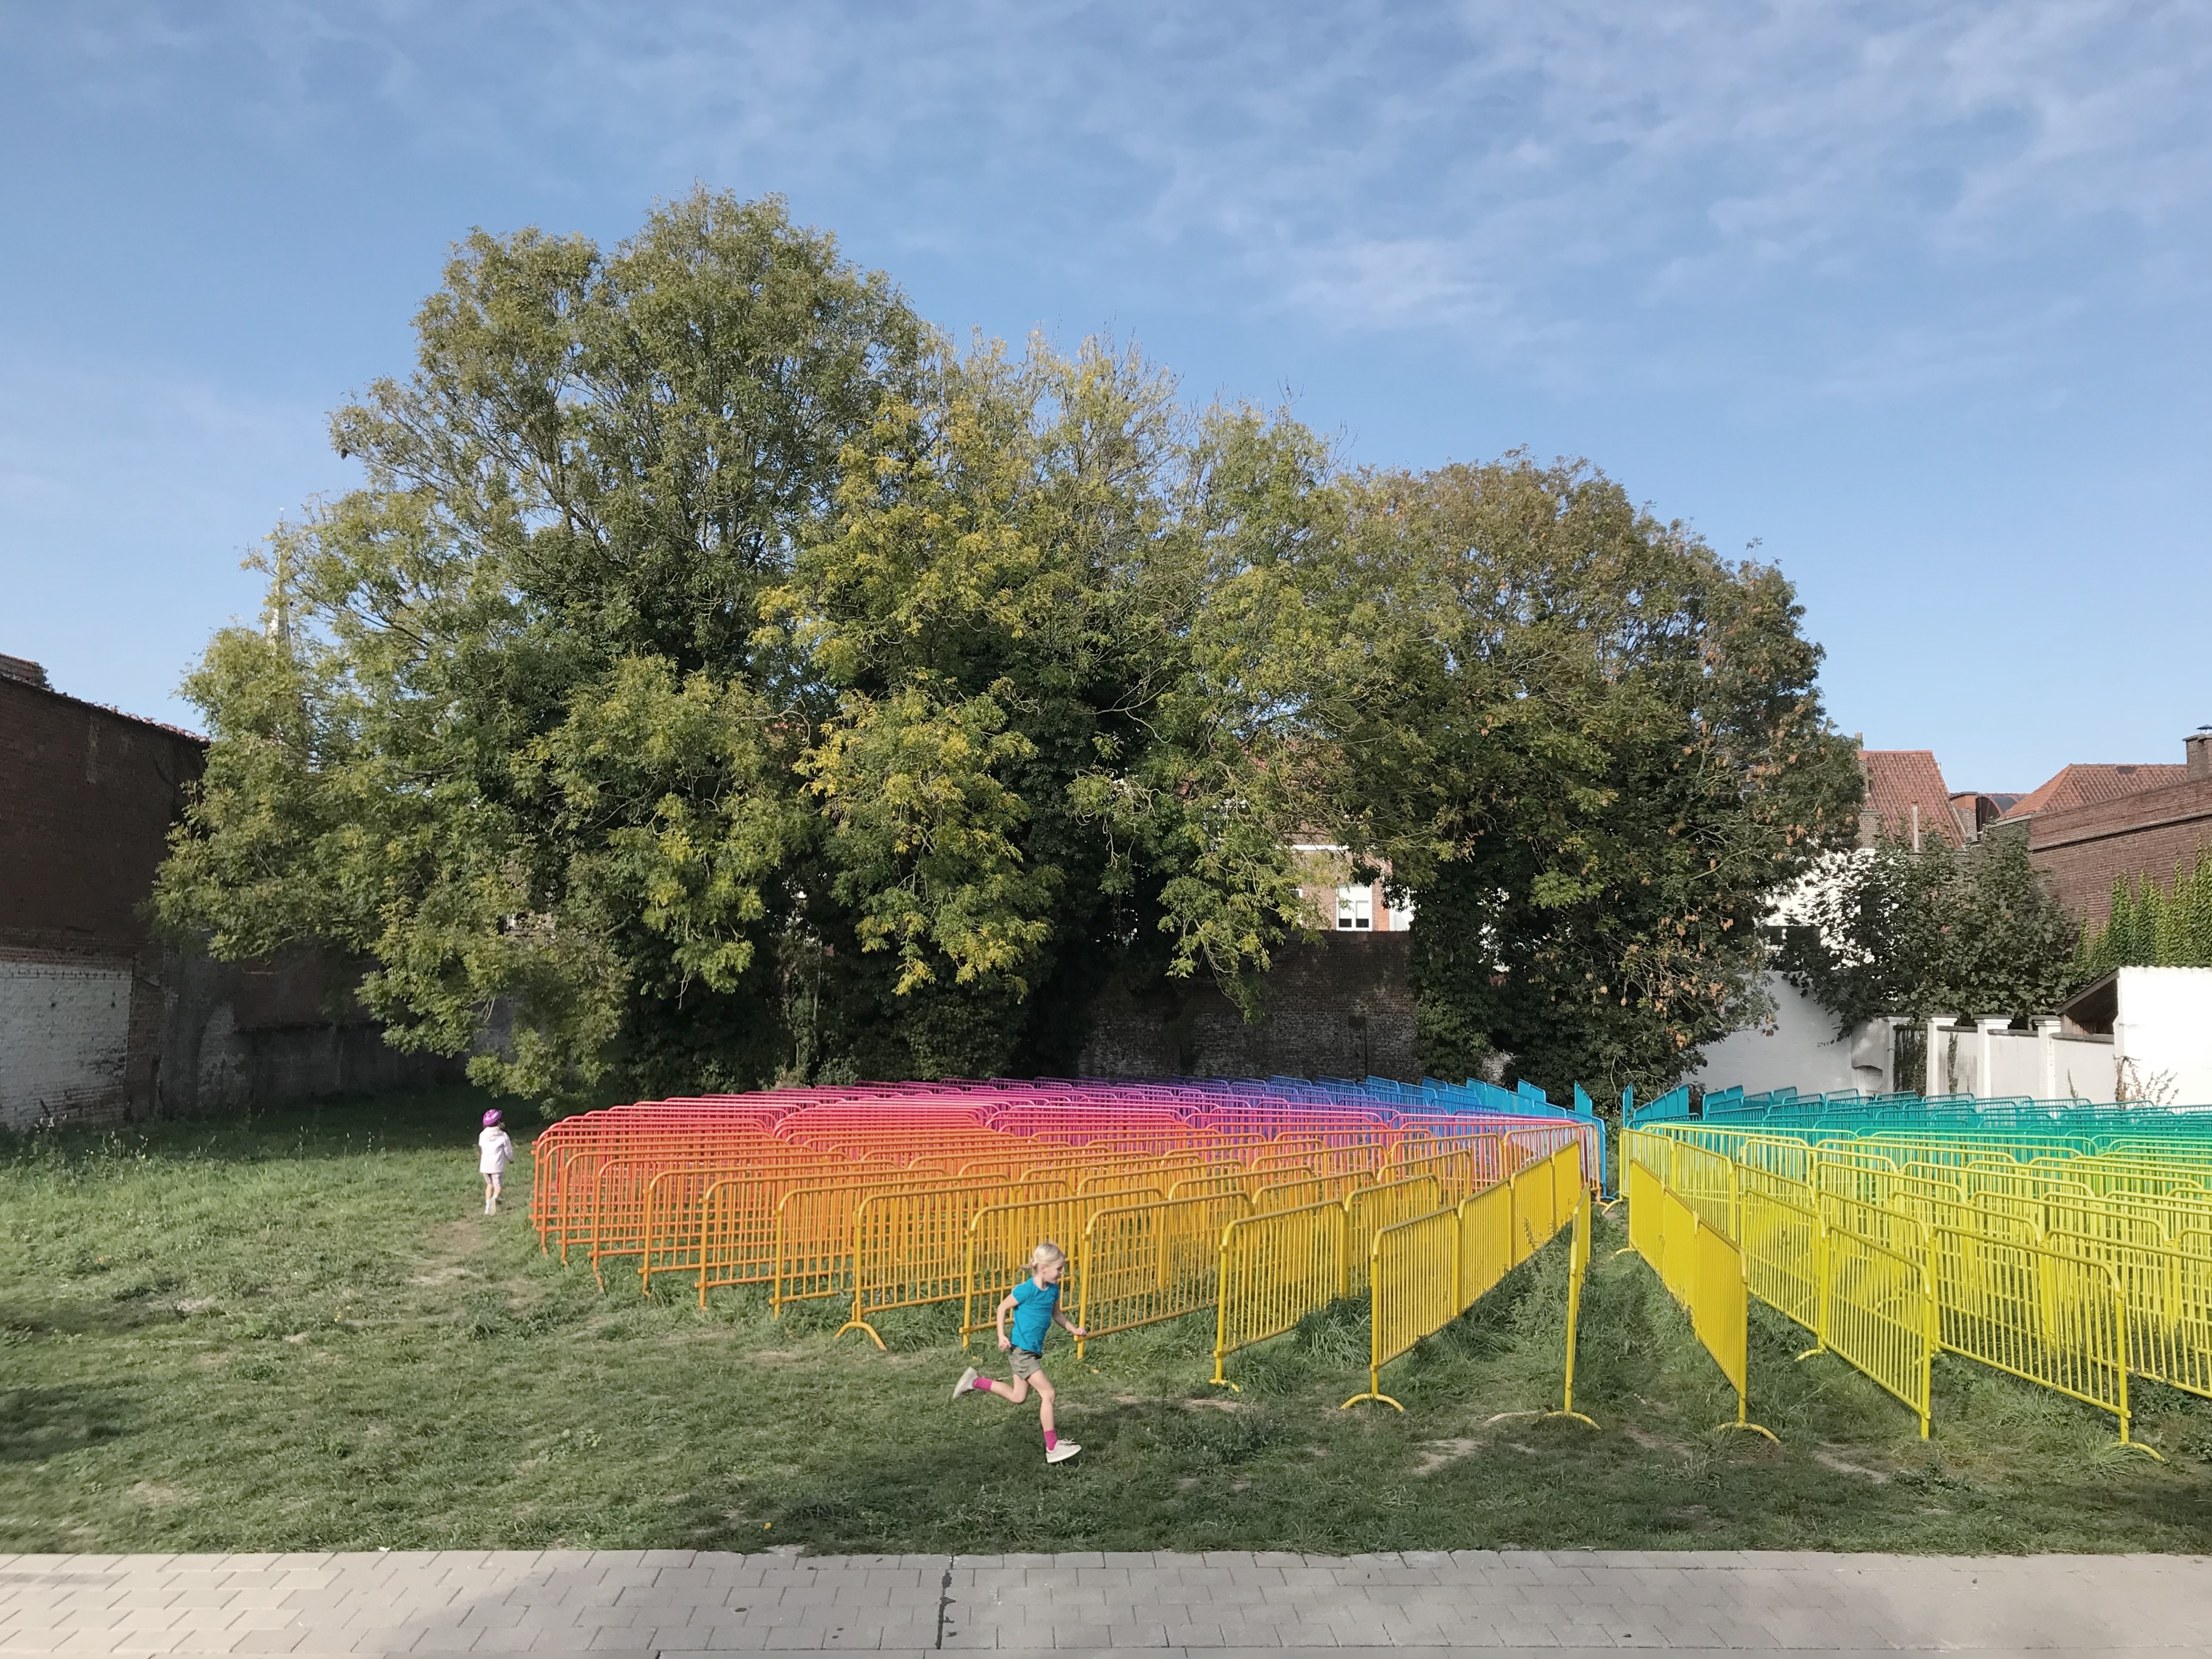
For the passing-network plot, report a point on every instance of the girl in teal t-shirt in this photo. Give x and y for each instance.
(1034, 1306)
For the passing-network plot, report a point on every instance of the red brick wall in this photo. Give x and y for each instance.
(87, 797)
(2087, 848)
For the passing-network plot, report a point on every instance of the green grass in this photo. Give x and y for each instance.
(296, 1332)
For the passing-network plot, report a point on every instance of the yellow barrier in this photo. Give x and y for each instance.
(1001, 1238)
(1720, 1314)
(1432, 1271)
(1876, 1315)
(1412, 1267)
(1545, 1196)
(1291, 1195)
(737, 1232)
(1577, 1269)
(1276, 1268)
(1888, 1228)
(1485, 1243)
(675, 1219)
(1639, 1185)
(1136, 1178)
(1211, 1186)
(2166, 1293)
(1782, 1258)
(2120, 1220)
(1145, 1262)
(1371, 1209)
(1678, 1247)
(1461, 1167)
(1703, 1272)
(910, 1248)
(1782, 1188)
(2041, 1314)
(814, 1243)
(2054, 1269)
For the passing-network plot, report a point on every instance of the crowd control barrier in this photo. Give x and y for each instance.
(2071, 1269)
(1257, 1201)
(1276, 1268)
(1703, 1272)
(1426, 1270)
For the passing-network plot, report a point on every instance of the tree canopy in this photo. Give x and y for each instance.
(720, 675)
(1969, 932)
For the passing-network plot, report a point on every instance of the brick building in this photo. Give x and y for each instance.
(2091, 826)
(1334, 902)
(99, 1019)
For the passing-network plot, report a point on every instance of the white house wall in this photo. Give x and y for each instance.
(1802, 1052)
(1992, 1063)
(2162, 1034)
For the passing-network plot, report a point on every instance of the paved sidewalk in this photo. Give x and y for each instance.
(673, 1602)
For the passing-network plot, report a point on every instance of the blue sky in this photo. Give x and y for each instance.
(1914, 296)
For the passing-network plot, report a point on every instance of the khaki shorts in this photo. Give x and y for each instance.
(1024, 1363)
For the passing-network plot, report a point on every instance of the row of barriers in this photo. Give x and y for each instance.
(1427, 1270)
(1258, 1204)
(2071, 1269)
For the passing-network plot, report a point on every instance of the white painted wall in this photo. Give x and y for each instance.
(1801, 1051)
(64, 1034)
(2162, 1035)
(1993, 1063)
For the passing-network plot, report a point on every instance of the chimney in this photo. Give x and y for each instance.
(2199, 747)
(23, 669)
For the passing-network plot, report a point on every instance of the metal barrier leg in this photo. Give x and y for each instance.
(1743, 1421)
(1374, 1392)
(1580, 1249)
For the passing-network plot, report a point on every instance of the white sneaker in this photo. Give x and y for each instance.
(1062, 1452)
(966, 1384)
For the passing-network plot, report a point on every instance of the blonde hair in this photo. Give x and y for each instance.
(1046, 1251)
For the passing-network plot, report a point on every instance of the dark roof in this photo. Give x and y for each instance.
(1898, 780)
(2095, 1005)
(2086, 785)
(40, 687)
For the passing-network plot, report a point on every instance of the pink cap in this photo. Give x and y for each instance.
(491, 1117)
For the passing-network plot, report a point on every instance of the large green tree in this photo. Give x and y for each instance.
(720, 676)
(1591, 750)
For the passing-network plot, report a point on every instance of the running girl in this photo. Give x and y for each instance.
(1035, 1307)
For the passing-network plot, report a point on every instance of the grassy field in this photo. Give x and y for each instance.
(297, 1332)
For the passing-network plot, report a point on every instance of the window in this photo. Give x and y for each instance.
(1355, 907)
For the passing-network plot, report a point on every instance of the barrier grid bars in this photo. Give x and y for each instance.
(1417, 1267)
(2021, 1268)
(778, 1189)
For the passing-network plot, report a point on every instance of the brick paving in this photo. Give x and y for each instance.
(674, 1602)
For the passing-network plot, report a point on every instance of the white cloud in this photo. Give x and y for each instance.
(1510, 174)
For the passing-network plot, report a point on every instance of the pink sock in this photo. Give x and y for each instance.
(983, 1383)
(1050, 1440)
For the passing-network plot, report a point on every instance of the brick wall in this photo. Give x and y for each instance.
(100, 1020)
(2087, 848)
(1341, 1006)
(89, 797)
